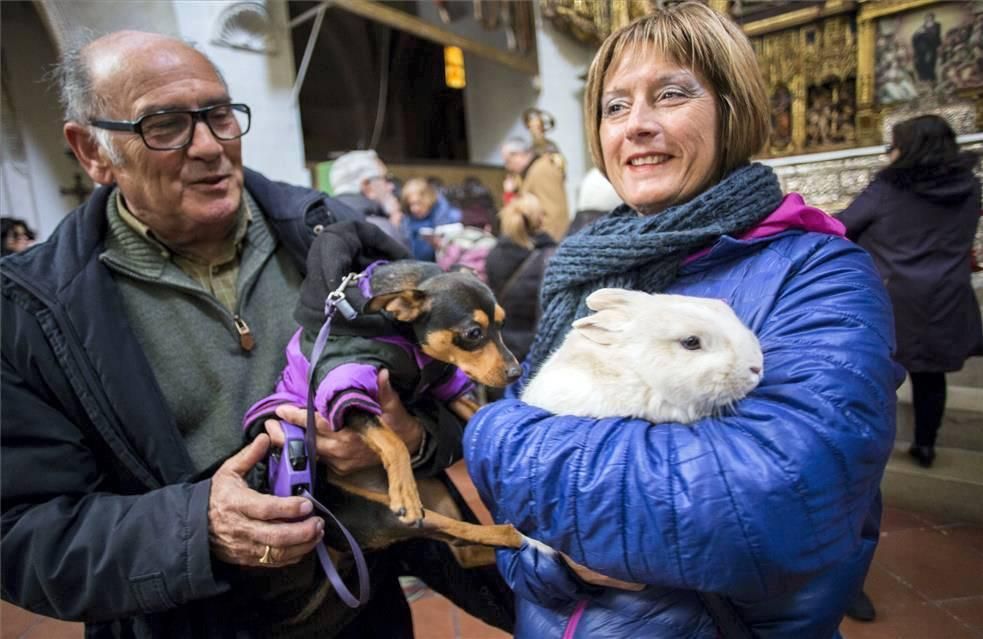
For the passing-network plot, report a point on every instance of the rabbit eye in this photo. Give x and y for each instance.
(691, 343)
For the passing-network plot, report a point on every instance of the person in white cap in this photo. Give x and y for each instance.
(359, 180)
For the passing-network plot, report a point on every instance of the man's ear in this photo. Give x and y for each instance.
(90, 155)
(405, 306)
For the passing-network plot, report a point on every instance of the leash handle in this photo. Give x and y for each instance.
(292, 472)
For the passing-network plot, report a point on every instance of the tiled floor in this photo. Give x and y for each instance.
(926, 583)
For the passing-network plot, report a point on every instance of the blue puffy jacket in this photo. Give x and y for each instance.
(442, 212)
(776, 506)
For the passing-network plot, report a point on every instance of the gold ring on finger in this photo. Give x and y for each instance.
(267, 557)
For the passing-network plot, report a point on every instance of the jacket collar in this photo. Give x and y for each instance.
(793, 214)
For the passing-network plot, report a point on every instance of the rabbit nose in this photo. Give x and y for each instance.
(756, 370)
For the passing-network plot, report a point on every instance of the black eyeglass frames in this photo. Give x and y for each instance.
(172, 130)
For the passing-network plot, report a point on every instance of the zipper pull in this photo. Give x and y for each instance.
(246, 340)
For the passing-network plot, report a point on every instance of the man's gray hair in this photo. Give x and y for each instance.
(79, 100)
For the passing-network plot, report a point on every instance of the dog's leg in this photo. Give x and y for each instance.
(404, 497)
(464, 408)
(444, 527)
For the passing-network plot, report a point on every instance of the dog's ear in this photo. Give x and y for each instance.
(405, 305)
(602, 327)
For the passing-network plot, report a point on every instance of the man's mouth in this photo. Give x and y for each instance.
(211, 180)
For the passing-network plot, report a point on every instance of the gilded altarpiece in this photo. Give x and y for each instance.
(811, 76)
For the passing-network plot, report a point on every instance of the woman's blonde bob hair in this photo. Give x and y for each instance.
(521, 219)
(694, 36)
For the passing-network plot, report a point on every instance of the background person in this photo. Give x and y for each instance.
(426, 209)
(359, 180)
(595, 198)
(539, 175)
(515, 268)
(17, 235)
(765, 517)
(918, 219)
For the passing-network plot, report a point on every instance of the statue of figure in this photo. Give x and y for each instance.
(538, 122)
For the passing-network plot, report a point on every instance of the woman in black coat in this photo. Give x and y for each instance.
(515, 268)
(918, 219)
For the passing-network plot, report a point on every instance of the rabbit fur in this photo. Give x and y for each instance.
(637, 357)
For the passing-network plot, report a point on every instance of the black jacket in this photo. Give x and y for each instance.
(918, 225)
(518, 292)
(103, 519)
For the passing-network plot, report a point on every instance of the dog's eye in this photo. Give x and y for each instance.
(691, 343)
(473, 334)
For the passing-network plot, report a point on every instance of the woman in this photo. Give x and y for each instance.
(918, 219)
(17, 236)
(774, 506)
(427, 209)
(515, 269)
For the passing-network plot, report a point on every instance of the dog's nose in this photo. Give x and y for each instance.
(513, 373)
(756, 370)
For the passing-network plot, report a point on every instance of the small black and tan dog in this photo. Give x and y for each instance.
(434, 332)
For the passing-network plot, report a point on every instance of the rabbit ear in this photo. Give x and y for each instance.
(605, 298)
(603, 327)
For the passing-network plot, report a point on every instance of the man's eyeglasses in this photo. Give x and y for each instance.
(171, 130)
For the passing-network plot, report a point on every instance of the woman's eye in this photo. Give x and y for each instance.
(691, 343)
(671, 94)
(614, 108)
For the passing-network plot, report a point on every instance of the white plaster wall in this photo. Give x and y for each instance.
(97, 17)
(35, 197)
(274, 145)
(496, 96)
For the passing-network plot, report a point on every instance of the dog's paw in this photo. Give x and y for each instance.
(407, 508)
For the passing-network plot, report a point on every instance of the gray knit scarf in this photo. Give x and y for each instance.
(627, 250)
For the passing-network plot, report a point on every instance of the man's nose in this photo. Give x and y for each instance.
(203, 142)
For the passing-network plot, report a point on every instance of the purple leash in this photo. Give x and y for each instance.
(292, 473)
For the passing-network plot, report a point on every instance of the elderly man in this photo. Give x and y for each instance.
(541, 175)
(133, 342)
(359, 180)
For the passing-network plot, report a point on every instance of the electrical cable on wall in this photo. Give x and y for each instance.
(380, 112)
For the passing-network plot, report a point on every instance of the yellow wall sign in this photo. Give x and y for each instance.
(454, 75)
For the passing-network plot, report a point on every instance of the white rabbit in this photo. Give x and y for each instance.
(658, 357)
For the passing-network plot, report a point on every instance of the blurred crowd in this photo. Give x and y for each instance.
(460, 226)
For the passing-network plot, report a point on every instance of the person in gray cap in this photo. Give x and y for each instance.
(358, 180)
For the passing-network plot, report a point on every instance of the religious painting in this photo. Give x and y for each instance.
(831, 108)
(936, 50)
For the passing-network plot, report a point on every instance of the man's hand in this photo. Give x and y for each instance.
(344, 451)
(242, 523)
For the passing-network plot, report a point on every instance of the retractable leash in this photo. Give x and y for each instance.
(292, 473)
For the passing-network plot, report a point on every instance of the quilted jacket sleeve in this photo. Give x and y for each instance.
(743, 505)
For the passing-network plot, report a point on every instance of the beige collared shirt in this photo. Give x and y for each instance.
(218, 277)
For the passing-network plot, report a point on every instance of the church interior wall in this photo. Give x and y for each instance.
(36, 161)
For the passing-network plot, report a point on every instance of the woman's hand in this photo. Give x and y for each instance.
(249, 528)
(344, 451)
